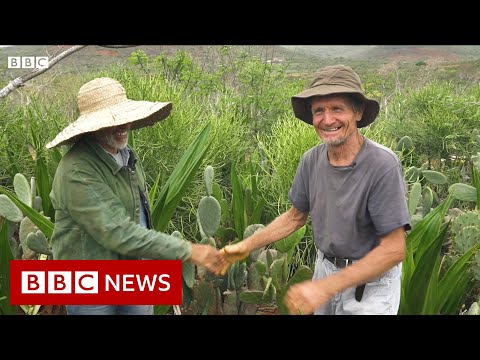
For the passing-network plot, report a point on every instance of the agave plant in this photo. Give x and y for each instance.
(426, 288)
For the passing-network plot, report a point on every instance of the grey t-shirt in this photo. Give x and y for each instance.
(351, 207)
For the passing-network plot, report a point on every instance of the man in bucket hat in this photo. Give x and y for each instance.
(354, 192)
(99, 192)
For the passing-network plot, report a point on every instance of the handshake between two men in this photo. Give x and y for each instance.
(302, 298)
(219, 261)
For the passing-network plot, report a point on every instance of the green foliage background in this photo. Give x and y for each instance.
(245, 94)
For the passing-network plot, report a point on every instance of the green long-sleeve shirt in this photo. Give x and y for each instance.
(97, 210)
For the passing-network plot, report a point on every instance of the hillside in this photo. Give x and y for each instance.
(405, 53)
(93, 56)
(450, 60)
(87, 58)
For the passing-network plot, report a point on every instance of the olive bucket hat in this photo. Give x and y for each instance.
(334, 79)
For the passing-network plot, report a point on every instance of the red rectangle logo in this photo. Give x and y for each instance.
(96, 282)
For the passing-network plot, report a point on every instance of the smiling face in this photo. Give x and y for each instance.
(335, 118)
(113, 138)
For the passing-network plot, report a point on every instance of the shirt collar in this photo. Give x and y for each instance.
(107, 158)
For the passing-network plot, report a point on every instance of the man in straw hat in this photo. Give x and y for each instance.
(354, 191)
(99, 193)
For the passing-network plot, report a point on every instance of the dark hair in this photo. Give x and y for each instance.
(356, 101)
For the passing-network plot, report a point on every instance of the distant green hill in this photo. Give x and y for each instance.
(90, 57)
(94, 56)
(302, 59)
(402, 52)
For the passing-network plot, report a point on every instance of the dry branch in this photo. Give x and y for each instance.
(20, 81)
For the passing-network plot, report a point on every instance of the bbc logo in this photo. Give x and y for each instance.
(96, 282)
(59, 282)
(28, 62)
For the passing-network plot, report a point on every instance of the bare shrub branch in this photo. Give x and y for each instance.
(21, 80)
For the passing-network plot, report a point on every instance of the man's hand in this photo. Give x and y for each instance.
(305, 297)
(231, 254)
(207, 256)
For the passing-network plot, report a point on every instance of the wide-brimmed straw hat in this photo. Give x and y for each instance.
(103, 103)
(334, 80)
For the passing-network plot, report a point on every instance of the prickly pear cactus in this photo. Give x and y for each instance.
(38, 243)
(31, 242)
(9, 210)
(205, 288)
(268, 256)
(466, 230)
(209, 215)
(208, 176)
(463, 192)
(434, 177)
(249, 231)
(452, 214)
(254, 276)
(420, 201)
(230, 302)
(414, 197)
(252, 229)
(204, 298)
(268, 279)
(412, 174)
(465, 238)
(23, 189)
(405, 144)
(27, 194)
(465, 234)
(27, 227)
(209, 210)
(427, 199)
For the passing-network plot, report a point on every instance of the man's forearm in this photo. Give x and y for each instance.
(387, 254)
(278, 229)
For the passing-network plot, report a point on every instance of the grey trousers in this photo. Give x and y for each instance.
(381, 295)
(109, 309)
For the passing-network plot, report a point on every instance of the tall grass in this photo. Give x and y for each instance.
(27, 130)
(282, 151)
(161, 145)
(439, 117)
(283, 148)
